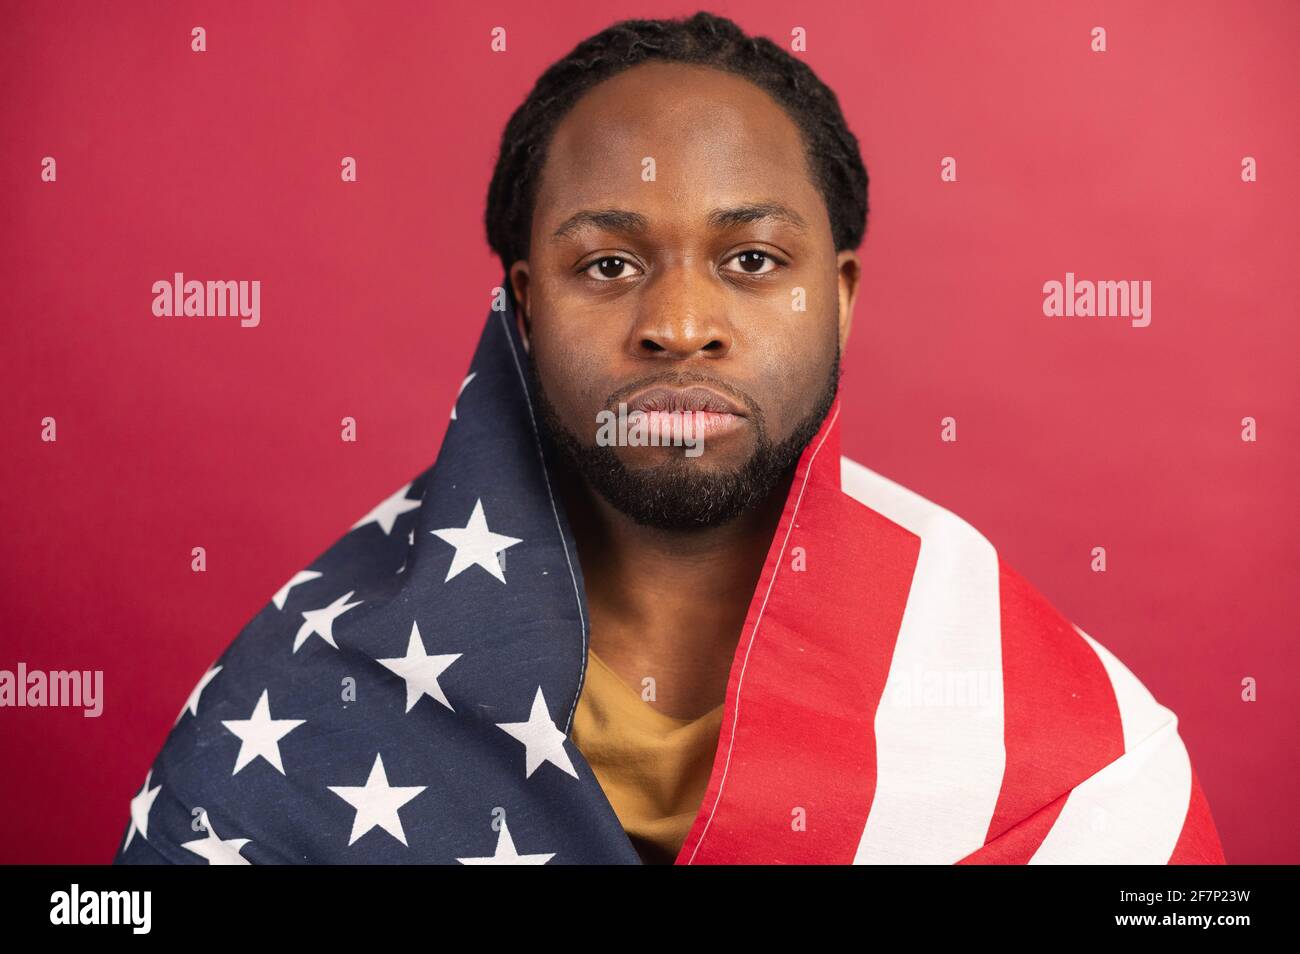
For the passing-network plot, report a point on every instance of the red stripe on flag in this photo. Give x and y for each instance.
(1198, 843)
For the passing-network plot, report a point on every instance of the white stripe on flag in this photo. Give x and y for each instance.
(940, 753)
(1132, 811)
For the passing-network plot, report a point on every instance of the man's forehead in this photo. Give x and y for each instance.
(694, 128)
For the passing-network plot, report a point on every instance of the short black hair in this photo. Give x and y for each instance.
(702, 39)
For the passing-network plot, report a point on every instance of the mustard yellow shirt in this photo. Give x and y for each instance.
(653, 768)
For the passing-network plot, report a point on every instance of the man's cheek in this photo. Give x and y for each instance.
(789, 405)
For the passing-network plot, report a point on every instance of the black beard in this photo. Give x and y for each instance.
(675, 495)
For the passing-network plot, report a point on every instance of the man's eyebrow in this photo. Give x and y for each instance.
(625, 221)
(610, 220)
(756, 212)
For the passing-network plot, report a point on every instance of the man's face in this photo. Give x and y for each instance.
(708, 263)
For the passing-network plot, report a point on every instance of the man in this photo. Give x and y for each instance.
(565, 642)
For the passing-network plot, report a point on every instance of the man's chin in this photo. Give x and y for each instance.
(676, 492)
(667, 461)
(663, 488)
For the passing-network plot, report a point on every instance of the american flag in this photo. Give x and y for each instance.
(898, 694)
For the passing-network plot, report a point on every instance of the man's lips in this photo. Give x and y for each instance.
(677, 400)
(691, 425)
(693, 412)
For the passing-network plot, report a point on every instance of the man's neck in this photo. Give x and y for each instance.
(670, 605)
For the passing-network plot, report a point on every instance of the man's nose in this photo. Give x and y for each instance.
(682, 314)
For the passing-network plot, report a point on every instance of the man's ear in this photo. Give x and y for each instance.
(519, 284)
(849, 271)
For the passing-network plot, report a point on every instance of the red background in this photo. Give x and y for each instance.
(1073, 433)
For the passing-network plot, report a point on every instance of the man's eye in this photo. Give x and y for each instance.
(752, 262)
(608, 268)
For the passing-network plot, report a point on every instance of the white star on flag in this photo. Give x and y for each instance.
(260, 735)
(543, 741)
(282, 594)
(376, 802)
(217, 852)
(192, 703)
(321, 621)
(420, 670)
(140, 807)
(464, 384)
(475, 544)
(506, 853)
(386, 513)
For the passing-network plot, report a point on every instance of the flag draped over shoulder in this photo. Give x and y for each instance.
(898, 693)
